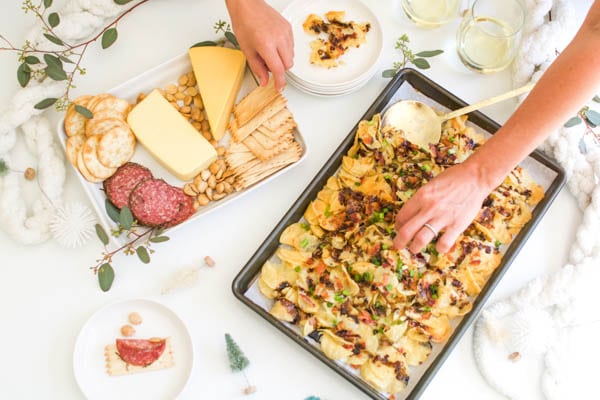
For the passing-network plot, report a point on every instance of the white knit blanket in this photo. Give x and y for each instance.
(554, 321)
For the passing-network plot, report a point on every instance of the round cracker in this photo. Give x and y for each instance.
(90, 159)
(96, 99)
(116, 147)
(73, 147)
(75, 122)
(101, 126)
(84, 171)
(111, 102)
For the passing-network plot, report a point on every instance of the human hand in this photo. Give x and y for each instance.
(448, 203)
(265, 37)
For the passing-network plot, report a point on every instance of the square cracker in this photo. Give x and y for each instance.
(263, 153)
(254, 102)
(240, 133)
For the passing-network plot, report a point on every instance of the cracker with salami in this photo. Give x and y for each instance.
(129, 356)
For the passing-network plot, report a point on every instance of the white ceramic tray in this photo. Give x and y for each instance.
(159, 77)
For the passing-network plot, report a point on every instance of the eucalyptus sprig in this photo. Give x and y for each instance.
(223, 27)
(409, 57)
(591, 119)
(138, 243)
(64, 63)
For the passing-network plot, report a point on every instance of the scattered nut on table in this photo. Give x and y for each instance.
(209, 261)
(29, 174)
(249, 390)
(515, 356)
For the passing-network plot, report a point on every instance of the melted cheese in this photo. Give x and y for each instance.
(170, 138)
(219, 72)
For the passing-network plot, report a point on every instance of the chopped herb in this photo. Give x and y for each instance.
(329, 304)
(311, 290)
(402, 172)
(304, 243)
(452, 139)
(426, 168)
(375, 261)
(339, 297)
(367, 277)
(305, 226)
(427, 308)
(385, 210)
(297, 269)
(497, 243)
(335, 322)
(409, 193)
(375, 317)
(377, 217)
(345, 292)
(389, 287)
(420, 275)
(412, 273)
(356, 183)
(328, 211)
(358, 277)
(389, 230)
(431, 250)
(377, 304)
(385, 246)
(378, 331)
(452, 151)
(387, 177)
(399, 264)
(433, 290)
(384, 143)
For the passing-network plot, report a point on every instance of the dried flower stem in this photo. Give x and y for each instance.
(107, 256)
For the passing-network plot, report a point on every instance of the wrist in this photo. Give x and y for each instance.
(488, 173)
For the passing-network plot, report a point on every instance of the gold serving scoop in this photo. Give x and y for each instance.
(422, 125)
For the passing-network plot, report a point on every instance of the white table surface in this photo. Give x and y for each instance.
(48, 292)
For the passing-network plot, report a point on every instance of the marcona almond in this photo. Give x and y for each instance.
(214, 167)
(182, 89)
(196, 114)
(209, 261)
(220, 187)
(207, 135)
(191, 91)
(228, 188)
(140, 97)
(135, 318)
(221, 151)
(212, 182)
(202, 186)
(174, 104)
(196, 205)
(202, 199)
(218, 196)
(205, 126)
(127, 330)
(186, 109)
(191, 79)
(198, 101)
(196, 124)
(209, 193)
(187, 100)
(170, 97)
(214, 142)
(189, 189)
(219, 173)
(230, 180)
(183, 80)
(205, 174)
(179, 96)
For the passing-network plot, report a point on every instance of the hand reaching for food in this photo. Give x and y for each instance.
(461, 192)
(265, 37)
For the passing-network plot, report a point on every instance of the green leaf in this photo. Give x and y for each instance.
(572, 122)
(54, 39)
(593, 117)
(84, 111)
(65, 59)
(53, 19)
(126, 218)
(112, 211)
(56, 73)
(45, 103)
(421, 63)
(158, 231)
(231, 37)
(159, 239)
(47, 3)
(429, 53)
(32, 60)
(122, 2)
(23, 74)
(206, 43)
(388, 73)
(109, 37)
(106, 276)
(49, 59)
(596, 99)
(101, 234)
(142, 254)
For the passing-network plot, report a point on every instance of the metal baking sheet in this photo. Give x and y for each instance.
(408, 84)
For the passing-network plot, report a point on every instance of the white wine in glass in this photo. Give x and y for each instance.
(486, 44)
(430, 13)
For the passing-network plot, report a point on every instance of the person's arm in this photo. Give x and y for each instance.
(265, 37)
(450, 201)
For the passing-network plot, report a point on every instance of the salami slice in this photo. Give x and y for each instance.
(118, 187)
(140, 352)
(154, 202)
(186, 209)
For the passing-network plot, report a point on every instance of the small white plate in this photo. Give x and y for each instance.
(103, 327)
(357, 62)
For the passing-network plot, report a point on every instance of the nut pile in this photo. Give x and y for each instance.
(185, 97)
(212, 184)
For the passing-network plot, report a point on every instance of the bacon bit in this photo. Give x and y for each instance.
(365, 317)
(348, 346)
(374, 249)
(355, 366)
(367, 140)
(338, 284)
(320, 268)
(307, 299)
(514, 357)
(209, 261)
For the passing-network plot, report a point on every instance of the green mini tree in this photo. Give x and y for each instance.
(238, 361)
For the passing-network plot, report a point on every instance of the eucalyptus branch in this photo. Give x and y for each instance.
(409, 57)
(32, 66)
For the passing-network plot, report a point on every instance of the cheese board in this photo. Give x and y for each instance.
(160, 76)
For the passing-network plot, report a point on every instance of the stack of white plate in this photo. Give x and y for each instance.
(356, 67)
